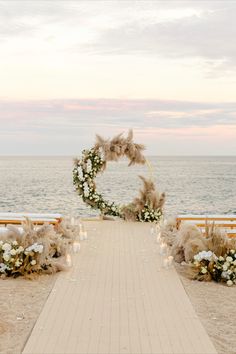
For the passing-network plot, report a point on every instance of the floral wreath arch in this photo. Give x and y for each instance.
(146, 207)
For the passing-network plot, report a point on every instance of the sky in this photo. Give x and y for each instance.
(71, 69)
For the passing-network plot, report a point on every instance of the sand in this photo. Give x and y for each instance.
(21, 302)
(215, 306)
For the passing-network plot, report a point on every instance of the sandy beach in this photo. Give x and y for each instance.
(21, 302)
(214, 305)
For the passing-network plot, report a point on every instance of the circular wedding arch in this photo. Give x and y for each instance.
(146, 207)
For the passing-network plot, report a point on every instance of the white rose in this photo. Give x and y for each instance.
(229, 259)
(6, 247)
(229, 282)
(6, 257)
(13, 252)
(33, 262)
(221, 258)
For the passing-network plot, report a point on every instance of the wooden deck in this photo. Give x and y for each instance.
(118, 299)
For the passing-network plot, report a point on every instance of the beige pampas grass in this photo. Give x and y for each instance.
(120, 146)
(148, 195)
(55, 241)
(188, 242)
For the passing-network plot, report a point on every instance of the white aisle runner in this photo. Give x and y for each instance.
(117, 299)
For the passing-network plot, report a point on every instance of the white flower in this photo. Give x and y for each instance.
(225, 266)
(18, 263)
(3, 268)
(15, 243)
(6, 257)
(225, 275)
(13, 252)
(33, 262)
(80, 172)
(221, 258)
(229, 282)
(206, 255)
(6, 247)
(35, 248)
(86, 189)
(89, 166)
(203, 270)
(1, 243)
(20, 250)
(229, 259)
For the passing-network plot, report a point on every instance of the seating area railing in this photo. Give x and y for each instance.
(226, 222)
(37, 219)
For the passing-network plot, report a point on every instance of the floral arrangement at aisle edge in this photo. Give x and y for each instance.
(145, 208)
(34, 250)
(207, 266)
(205, 257)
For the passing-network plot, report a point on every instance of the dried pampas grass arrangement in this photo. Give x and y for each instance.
(205, 256)
(32, 250)
(148, 206)
(120, 146)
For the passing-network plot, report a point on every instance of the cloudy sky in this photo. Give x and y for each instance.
(71, 69)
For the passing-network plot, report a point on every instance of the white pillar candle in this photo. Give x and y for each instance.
(163, 248)
(68, 260)
(72, 220)
(165, 263)
(85, 235)
(159, 238)
(170, 260)
(76, 246)
(152, 230)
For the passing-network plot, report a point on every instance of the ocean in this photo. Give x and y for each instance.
(192, 184)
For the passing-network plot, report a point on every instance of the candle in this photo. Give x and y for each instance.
(159, 238)
(68, 260)
(163, 248)
(85, 235)
(165, 263)
(76, 246)
(170, 261)
(152, 230)
(72, 220)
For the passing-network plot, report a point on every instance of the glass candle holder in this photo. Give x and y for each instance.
(163, 249)
(76, 246)
(68, 260)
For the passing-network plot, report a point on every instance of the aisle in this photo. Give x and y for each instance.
(117, 299)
